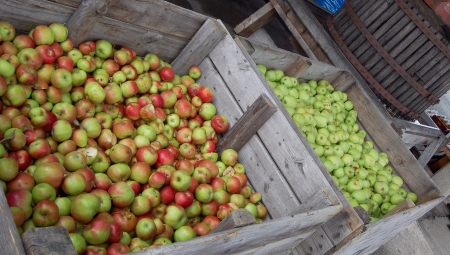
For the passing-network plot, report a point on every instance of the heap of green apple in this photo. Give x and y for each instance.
(116, 148)
(328, 121)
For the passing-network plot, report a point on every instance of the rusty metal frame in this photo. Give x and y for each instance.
(377, 86)
(386, 56)
(425, 30)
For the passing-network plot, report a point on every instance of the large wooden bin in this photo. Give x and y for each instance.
(279, 164)
(350, 232)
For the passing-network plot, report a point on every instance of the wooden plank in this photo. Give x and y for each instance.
(177, 21)
(48, 240)
(285, 246)
(256, 21)
(237, 218)
(88, 12)
(342, 225)
(381, 231)
(247, 126)
(294, 32)
(442, 180)
(10, 241)
(362, 214)
(206, 39)
(239, 240)
(317, 243)
(431, 149)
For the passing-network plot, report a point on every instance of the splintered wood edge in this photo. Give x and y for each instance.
(255, 21)
(248, 124)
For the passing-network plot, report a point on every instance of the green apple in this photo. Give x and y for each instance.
(349, 171)
(279, 74)
(381, 188)
(359, 196)
(262, 68)
(343, 181)
(412, 196)
(397, 180)
(396, 199)
(270, 75)
(384, 207)
(353, 185)
(339, 172)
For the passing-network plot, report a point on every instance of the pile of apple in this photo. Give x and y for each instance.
(328, 121)
(116, 148)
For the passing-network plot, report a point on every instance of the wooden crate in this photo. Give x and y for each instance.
(278, 162)
(349, 232)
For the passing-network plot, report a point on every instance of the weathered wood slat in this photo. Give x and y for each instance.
(256, 20)
(291, 27)
(247, 126)
(431, 150)
(317, 243)
(88, 12)
(381, 231)
(239, 240)
(47, 240)
(210, 34)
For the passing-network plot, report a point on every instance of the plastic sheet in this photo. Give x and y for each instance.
(331, 5)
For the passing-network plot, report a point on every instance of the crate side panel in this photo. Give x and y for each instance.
(286, 144)
(262, 172)
(250, 237)
(381, 231)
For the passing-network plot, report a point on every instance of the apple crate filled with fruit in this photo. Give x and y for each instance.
(140, 126)
(379, 182)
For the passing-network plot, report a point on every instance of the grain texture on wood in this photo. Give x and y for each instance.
(203, 42)
(247, 126)
(431, 149)
(383, 230)
(317, 243)
(83, 20)
(255, 21)
(48, 240)
(240, 240)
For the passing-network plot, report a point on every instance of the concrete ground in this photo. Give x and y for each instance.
(429, 236)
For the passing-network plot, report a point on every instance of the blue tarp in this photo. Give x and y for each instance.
(331, 5)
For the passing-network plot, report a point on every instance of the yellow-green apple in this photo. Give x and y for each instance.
(153, 60)
(145, 229)
(210, 208)
(97, 231)
(23, 41)
(175, 216)
(121, 194)
(103, 49)
(30, 56)
(195, 72)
